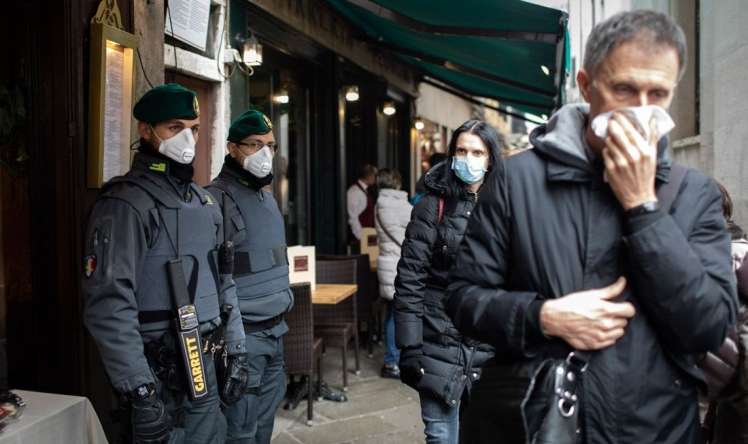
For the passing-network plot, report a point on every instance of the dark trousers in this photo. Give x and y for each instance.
(251, 420)
(199, 421)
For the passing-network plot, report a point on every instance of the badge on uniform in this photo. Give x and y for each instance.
(89, 265)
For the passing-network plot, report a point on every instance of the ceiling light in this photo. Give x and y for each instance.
(545, 70)
(389, 108)
(351, 94)
(419, 125)
(281, 97)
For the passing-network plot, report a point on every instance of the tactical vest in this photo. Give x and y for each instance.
(261, 263)
(175, 229)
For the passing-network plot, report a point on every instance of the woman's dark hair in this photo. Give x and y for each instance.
(735, 231)
(493, 141)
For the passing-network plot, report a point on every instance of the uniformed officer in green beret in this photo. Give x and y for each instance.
(155, 290)
(260, 271)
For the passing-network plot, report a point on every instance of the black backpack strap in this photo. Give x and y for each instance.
(667, 192)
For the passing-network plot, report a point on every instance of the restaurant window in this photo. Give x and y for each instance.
(278, 94)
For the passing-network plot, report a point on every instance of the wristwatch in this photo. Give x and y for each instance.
(646, 207)
(142, 392)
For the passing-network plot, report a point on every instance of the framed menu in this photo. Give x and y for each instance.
(111, 94)
(190, 19)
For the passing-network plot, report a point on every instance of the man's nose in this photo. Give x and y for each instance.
(642, 99)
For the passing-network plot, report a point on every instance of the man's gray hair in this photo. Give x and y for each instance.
(389, 178)
(651, 27)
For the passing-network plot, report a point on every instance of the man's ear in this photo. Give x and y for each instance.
(584, 82)
(145, 131)
(231, 148)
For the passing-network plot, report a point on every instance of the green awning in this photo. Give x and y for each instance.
(508, 50)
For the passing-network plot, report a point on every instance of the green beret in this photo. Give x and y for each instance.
(164, 102)
(249, 123)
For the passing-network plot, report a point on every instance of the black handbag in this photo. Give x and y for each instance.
(550, 409)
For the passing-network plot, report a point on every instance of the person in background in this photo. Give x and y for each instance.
(392, 214)
(421, 190)
(436, 360)
(360, 203)
(727, 419)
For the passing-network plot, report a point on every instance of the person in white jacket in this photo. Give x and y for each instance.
(392, 215)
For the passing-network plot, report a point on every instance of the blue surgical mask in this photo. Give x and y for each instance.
(469, 169)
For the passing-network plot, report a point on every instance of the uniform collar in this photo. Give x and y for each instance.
(160, 171)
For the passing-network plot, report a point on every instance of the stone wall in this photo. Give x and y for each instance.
(724, 95)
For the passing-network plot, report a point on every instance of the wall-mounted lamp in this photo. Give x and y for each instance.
(281, 97)
(419, 125)
(351, 94)
(389, 108)
(252, 52)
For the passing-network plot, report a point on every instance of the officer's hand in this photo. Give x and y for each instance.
(630, 162)
(588, 320)
(151, 423)
(237, 376)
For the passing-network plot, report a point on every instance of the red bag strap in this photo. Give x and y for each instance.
(440, 210)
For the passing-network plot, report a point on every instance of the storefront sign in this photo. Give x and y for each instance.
(190, 19)
(112, 79)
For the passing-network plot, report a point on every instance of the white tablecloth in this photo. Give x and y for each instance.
(57, 419)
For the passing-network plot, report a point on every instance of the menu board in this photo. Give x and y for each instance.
(115, 161)
(190, 19)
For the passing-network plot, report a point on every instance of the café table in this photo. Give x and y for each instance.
(331, 294)
(50, 418)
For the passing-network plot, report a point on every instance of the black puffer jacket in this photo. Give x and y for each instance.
(436, 358)
(547, 225)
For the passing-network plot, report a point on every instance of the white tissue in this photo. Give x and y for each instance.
(640, 117)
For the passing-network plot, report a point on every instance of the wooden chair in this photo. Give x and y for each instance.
(368, 293)
(338, 324)
(301, 350)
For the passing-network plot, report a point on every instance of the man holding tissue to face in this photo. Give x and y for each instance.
(258, 234)
(580, 256)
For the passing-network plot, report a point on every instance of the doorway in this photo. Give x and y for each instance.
(206, 98)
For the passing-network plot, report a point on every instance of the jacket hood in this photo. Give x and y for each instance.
(437, 176)
(562, 140)
(390, 194)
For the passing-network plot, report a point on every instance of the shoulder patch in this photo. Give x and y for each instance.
(89, 265)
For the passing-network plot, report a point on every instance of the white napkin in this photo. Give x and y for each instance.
(640, 117)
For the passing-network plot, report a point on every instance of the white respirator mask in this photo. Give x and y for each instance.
(260, 164)
(180, 147)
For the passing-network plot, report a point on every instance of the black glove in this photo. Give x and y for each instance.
(410, 365)
(237, 376)
(151, 423)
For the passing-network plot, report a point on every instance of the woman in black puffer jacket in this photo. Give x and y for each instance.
(436, 359)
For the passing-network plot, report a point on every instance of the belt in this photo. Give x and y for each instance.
(254, 327)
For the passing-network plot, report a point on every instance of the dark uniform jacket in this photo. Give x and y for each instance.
(125, 284)
(444, 362)
(548, 225)
(256, 227)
